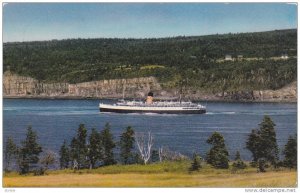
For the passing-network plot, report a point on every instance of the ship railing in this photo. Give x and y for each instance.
(139, 104)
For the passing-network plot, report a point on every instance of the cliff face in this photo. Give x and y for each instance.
(14, 85)
(287, 93)
(20, 86)
(136, 87)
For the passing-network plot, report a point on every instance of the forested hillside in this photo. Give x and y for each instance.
(196, 62)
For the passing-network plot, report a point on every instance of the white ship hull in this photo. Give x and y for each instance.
(152, 109)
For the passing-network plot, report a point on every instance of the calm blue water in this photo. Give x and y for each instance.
(58, 120)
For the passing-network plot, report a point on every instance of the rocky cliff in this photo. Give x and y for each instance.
(21, 86)
(287, 93)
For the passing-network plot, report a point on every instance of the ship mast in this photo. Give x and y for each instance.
(180, 90)
(180, 97)
(183, 86)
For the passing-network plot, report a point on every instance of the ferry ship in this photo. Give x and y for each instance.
(150, 106)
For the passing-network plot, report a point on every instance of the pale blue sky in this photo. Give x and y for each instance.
(46, 21)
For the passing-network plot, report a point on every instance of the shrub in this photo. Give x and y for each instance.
(238, 163)
(197, 163)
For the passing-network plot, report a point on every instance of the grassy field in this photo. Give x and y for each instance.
(169, 174)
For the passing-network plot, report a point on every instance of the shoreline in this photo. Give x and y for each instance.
(117, 98)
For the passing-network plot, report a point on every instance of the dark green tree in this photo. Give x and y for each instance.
(64, 153)
(197, 163)
(218, 154)
(108, 145)
(290, 152)
(29, 152)
(10, 153)
(126, 145)
(238, 162)
(263, 145)
(95, 152)
(79, 149)
(253, 144)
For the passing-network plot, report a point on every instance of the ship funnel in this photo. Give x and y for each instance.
(149, 98)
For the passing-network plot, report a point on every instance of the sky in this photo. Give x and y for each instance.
(47, 21)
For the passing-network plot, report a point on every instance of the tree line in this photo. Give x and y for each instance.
(97, 150)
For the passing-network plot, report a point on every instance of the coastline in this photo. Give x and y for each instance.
(117, 98)
(15, 86)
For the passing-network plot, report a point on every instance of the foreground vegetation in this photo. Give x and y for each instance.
(165, 174)
(90, 161)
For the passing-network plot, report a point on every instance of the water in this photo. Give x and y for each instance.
(58, 120)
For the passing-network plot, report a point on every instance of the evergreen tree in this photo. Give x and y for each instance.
(218, 154)
(263, 145)
(95, 152)
(29, 152)
(196, 164)
(108, 145)
(79, 150)
(126, 145)
(253, 145)
(290, 152)
(82, 146)
(238, 162)
(64, 154)
(10, 153)
(269, 142)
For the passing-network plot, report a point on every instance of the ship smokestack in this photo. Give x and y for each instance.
(149, 98)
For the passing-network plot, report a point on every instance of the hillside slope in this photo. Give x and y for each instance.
(181, 63)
